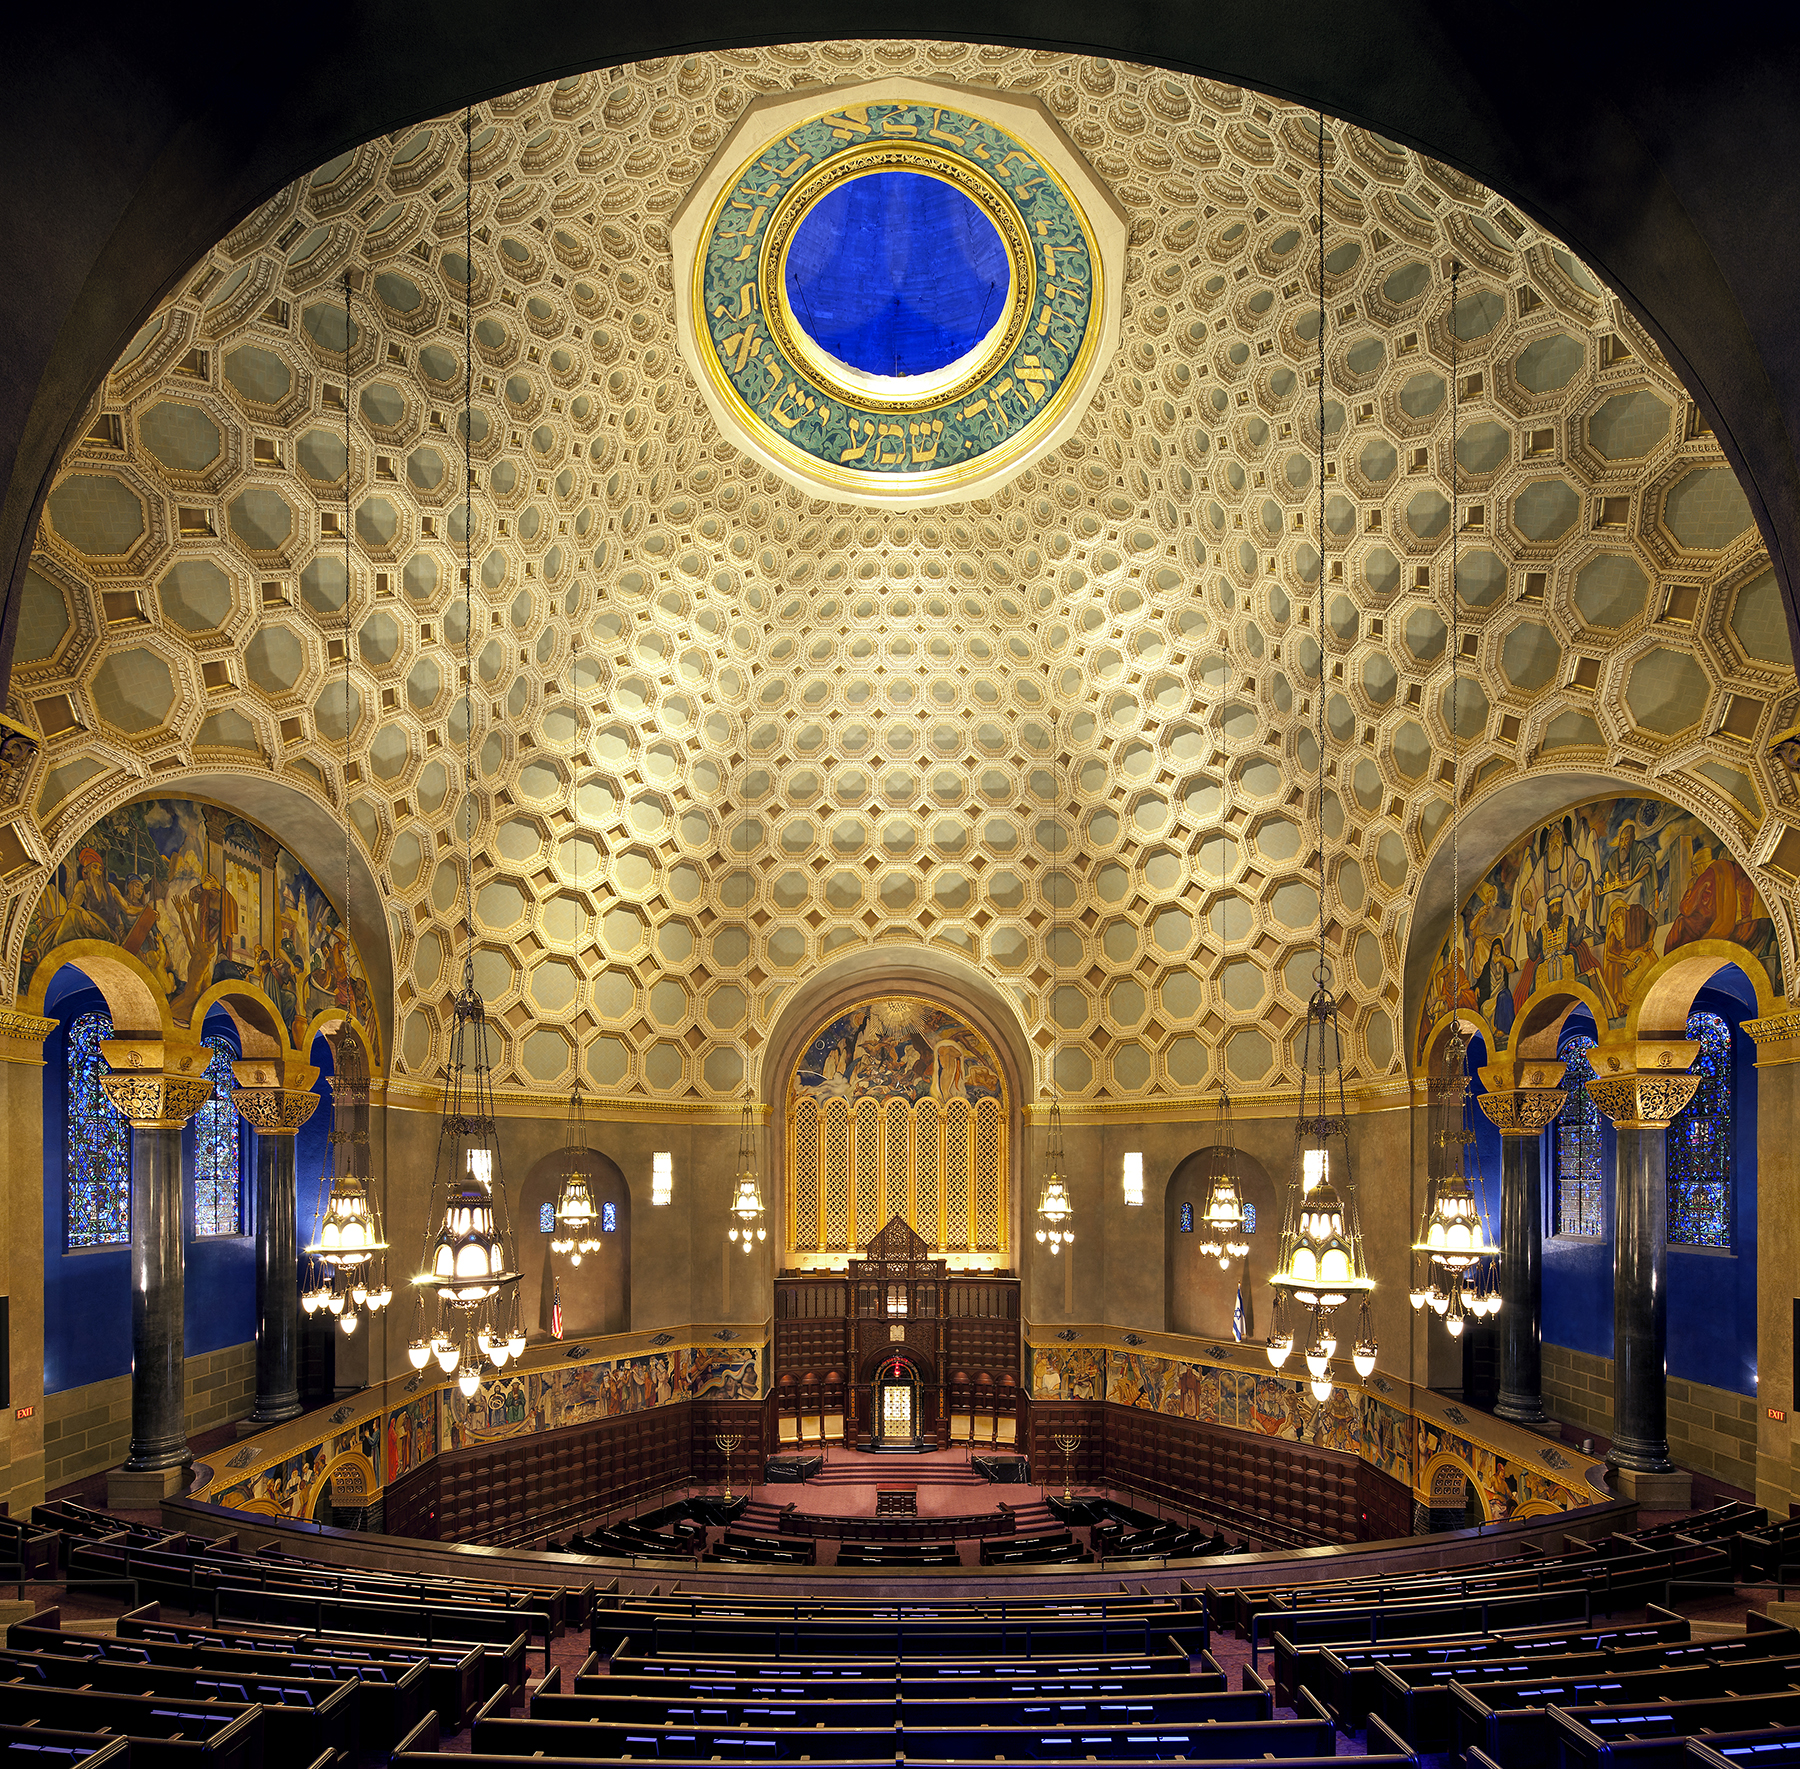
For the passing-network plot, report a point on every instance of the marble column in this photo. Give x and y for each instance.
(1520, 1114)
(1641, 1088)
(1777, 1256)
(156, 1086)
(275, 1097)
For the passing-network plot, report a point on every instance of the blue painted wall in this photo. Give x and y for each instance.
(87, 1294)
(1712, 1294)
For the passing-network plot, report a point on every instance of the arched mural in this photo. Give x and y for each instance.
(896, 1107)
(200, 897)
(1586, 906)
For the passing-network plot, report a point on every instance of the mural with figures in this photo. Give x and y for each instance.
(1258, 1400)
(891, 1046)
(509, 1404)
(1594, 897)
(200, 896)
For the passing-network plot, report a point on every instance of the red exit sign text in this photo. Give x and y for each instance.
(1777, 1413)
(24, 1412)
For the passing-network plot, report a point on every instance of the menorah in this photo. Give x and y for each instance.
(1068, 1442)
(728, 1441)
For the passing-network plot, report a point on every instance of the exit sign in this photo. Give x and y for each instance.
(24, 1412)
(1777, 1413)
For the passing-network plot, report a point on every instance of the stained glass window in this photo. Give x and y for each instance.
(546, 1217)
(97, 1185)
(1578, 1202)
(218, 1151)
(1187, 1219)
(609, 1217)
(1249, 1219)
(1699, 1144)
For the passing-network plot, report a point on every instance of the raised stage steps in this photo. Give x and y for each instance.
(762, 1517)
(886, 1471)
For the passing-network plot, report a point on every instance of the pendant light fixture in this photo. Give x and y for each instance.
(575, 1217)
(469, 1270)
(748, 1227)
(1223, 1216)
(1321, 1266)
(348, 1248)
(1055, 1209)
(1461, 1255)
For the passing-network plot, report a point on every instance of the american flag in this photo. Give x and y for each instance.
(556, 1311)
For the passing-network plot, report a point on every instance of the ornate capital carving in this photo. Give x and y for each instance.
(1525, 1110)
(274, 1111)
(1639, 1101)
(1777, 1039)
(153, 1100)
(22, 1036)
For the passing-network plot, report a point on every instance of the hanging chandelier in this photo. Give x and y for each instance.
(346, 1265)
(1321, 1265)
(1056, 1211)
(1223, 1212)
(1461, 1254)
(575, 1218)
(747, 1226)
(1462, 1280)
(467, 1283)
(347, 1254)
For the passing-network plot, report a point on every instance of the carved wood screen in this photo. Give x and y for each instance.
(897, 1108)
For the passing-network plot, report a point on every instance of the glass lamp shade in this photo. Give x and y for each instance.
(1455, 1324)
(418, 1354)
(515, 1343)
(1453, 1233)
(448, 1357)
(1280, 1344)
(575, 1207)
(468, 1382)
(1322, 1260)
(1321, 1389)
(1317, 1362)
(348, 1321)
(350, 1231)
(466, 1262)
(1363, 1358)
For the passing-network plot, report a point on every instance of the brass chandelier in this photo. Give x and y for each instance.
(1321, 1266)
(467, 1283)
(576, 1221)
(1222, 1215)
(748, 1227)
(1056, 1210)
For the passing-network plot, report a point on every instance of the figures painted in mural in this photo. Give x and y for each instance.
(894, 1046)
(201, 897)
(1592, 899)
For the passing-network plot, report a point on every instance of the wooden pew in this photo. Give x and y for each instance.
(630, 1660)
(346, 1616)
(164, 1733)
(64, 1750)
(729, 1636)
(1521, 1738)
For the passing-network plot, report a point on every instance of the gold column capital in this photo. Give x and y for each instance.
(1638, 1099)
(22, 1036)
(1523, 1111)
(274, 1111)
(1777, 1039)
(156, 1083)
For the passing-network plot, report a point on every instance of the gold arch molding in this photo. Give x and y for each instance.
(951, 436)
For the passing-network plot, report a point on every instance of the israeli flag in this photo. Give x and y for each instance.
(1237, 1317)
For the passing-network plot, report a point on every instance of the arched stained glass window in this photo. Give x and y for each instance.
(1699, 1143)
(218, 1150)
(1187, 1217)
(97, 1177)
(1578, 1201)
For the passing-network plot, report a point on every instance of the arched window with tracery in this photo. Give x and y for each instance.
(1699, 1143)
(1579, 1205)
(219, 1150)
(97, 1174)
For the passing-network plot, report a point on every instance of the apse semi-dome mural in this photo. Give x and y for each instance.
(1584, 907)
(726, 731)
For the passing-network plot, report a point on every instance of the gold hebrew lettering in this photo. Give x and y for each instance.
(898, 433)
(922, 433)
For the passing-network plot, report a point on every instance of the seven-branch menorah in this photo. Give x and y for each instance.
(728, 1441)
(1068, 1442)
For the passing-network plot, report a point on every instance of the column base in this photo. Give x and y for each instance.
(1664, 1490)
(144, 1489)
(276, 1412)
(1521, 1409)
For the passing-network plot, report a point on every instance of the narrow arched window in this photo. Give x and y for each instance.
(1578, 1200)
(97, 1177)
(1699, 1143)
(218, 1150)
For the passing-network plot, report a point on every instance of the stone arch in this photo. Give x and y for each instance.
(257, 1019)
(1198, 1297)
(136, 1003)
(926, 975)
(1440, 1468)
(596, 1295)
(1670, 987)
(352, 1468)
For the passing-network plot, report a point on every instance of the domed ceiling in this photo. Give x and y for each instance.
(725, 732)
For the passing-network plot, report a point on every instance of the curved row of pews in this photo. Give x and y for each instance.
(227, 1658)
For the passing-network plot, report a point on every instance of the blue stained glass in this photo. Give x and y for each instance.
(97, 1177)
(1187, 1219)
(897, 273)
(218, 1151)
(546, 1217)
(609, 1218)
(1699, 1143)
(1578, 1186)
(1249, 1219)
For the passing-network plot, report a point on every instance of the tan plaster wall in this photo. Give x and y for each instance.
(22, 1281)
(1777, 1480)
(88, 1429)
